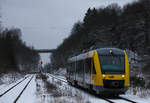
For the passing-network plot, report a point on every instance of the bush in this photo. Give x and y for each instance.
(137, 81)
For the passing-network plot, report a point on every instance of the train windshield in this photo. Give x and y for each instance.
(112, 64)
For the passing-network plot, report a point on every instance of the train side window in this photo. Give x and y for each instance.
(69, 69)
(87, 66)
(78, 67)
(73, 67)
(82, 67)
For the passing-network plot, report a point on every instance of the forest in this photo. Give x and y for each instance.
(15, 55)
(126, 27)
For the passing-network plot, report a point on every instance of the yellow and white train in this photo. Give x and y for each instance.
(104, 71)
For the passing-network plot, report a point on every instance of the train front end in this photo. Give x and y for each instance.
(113, 71)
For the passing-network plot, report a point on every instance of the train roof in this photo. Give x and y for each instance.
(82, 56)
(106, 51)
(101, 51)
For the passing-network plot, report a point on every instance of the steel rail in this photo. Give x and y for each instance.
(127, 99)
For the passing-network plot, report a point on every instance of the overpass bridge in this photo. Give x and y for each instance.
(45, 50)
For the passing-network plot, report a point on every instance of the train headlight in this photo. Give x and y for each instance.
(123, 76)
(104, 76)
(110, 51)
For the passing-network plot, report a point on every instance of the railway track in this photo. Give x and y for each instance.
(127, 99)
(58, 78)
(13, 86)
(23, 90)
(104, 98)
(15, 92)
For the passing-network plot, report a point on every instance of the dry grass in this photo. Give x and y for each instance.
(141, 92)
(51, 88)
(57, 92)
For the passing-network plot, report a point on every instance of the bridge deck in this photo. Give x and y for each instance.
(45, 50)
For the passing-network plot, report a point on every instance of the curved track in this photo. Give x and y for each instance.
(63, 80)
(104, 98)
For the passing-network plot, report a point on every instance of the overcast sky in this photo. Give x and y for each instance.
(45, 23)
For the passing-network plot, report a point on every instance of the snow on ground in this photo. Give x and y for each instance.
(142, 95)
(40, 90)
(45, 89)
(137, 98)
(10, 96)
(49, 92)
(60, 72)
(71, 94)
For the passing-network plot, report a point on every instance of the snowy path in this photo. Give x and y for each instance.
(12, 94)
